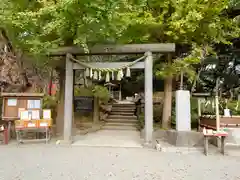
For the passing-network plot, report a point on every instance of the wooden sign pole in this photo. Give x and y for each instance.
(217, 106)
(199, 113)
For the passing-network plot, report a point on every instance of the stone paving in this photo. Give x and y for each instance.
(51, 162)
(110, 138)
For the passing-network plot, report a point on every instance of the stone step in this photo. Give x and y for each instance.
(121, 117)
(122, 109)
(124, 128)
(122, 120)
(120, 124)
(124, 105)
(122, 113)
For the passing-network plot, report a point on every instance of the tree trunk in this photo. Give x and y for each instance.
(167, 106)
(60, 106)
(50, 83)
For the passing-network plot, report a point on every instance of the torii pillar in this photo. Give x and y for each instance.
(68, 102)
(148, 88)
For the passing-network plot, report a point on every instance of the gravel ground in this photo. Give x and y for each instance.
(40, 162)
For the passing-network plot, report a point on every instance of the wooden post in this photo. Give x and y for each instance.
(73, 114)
(223, 145)
(3, 106)
(95, 110)
(181, 81)
(148, 98)
(217, 106)
(206, 145)
(217, 112)
(120, 92)
(68, 102)
(199, 113)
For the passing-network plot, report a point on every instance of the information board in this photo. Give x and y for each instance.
(12, 102)
(83, 103)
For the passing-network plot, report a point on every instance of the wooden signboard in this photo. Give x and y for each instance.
(14, 103)
(83, 103)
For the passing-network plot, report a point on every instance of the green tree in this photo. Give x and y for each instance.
(198, 23)
(40, 25)
(36, 26)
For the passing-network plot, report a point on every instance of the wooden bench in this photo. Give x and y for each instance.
(222, 135)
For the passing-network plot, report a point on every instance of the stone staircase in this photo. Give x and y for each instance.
(121, 117)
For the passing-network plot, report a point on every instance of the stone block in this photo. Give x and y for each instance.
(178, 138)
(233, 136)
(184, 138)
(183, 114)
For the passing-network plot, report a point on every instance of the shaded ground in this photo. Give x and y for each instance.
(39, 162)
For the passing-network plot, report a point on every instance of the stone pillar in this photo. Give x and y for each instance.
(148, 98)
(68, 102)
(183, 114)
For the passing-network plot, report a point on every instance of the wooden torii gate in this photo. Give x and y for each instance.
(147, 65)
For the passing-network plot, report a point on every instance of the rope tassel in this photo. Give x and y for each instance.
(100, 75)
(119, 76)
(87, 73)
(112, 75)
(95, 75)
(121, 73)
(128, 73)
(107, 77)
(90, 73)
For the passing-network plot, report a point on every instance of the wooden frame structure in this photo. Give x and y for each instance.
(147, 65)
(11, 113)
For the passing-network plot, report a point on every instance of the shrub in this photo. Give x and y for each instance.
(157, 113)
(141, 121)
(233, 106)
(83, 91)
(102, 93)
(50, 102)
(98, 91)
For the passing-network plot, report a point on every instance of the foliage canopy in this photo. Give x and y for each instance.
(36, 26)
